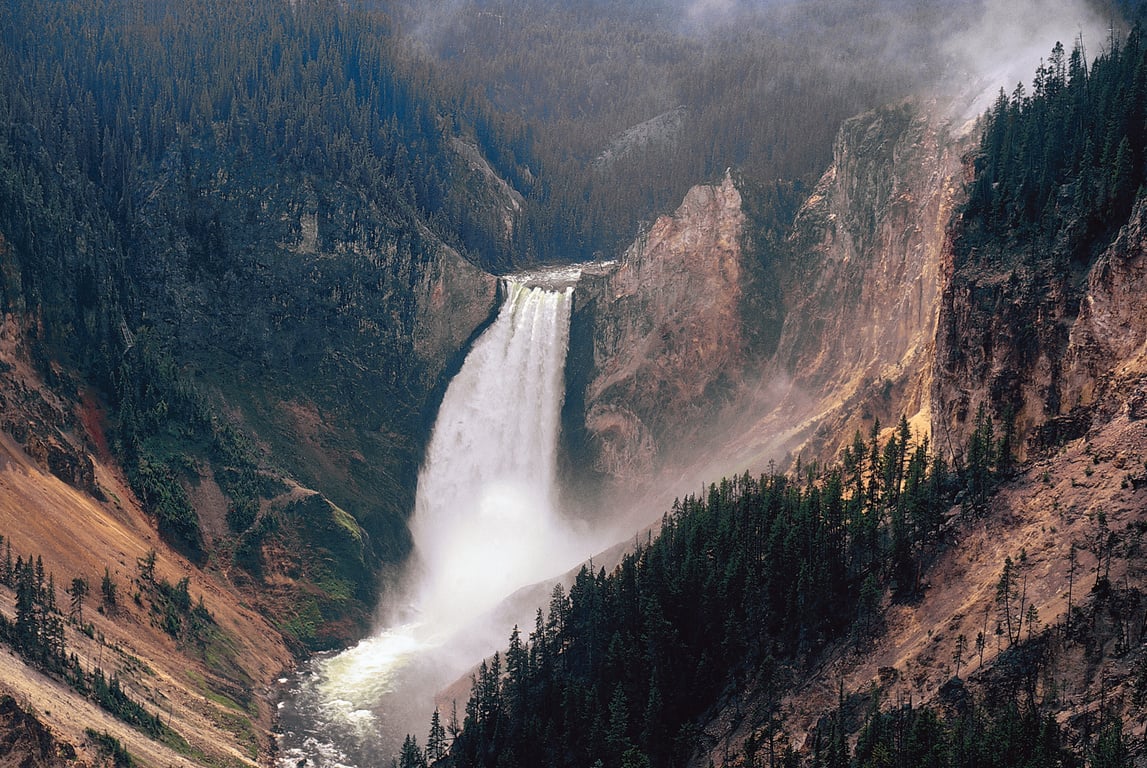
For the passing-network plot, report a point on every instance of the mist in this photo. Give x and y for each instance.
(486, 520)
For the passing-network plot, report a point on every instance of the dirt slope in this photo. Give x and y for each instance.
(215, 696)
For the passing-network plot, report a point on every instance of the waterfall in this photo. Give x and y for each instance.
(485, 520)
(485, 523)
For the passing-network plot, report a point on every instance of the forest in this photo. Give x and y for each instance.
(742, 590)
(1059, 167)
(755, 90)
(741, 587)
(158, 162)
(153, 160)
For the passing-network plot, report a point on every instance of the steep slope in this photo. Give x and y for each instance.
(255, 275)
(210, 685)
(864, 281)
(231, 296)
(1073, 517)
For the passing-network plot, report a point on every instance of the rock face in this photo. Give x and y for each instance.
(663, 334)
(864, 282)
(310, 319)
(452, 299)
(43, 423)
(673, 354)
(1107, 346)
(1058, 347)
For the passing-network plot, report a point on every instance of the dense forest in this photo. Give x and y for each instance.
(199, 200)
(203, 199)
(740, 587)
(742, 590)
(1059, 167)
(629, 105)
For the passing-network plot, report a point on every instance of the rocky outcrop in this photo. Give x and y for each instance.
(662, 332)
(676, 363)
(25, 740)
(490, 194)
(658, 134)
(36, 417)
(349, 309)
(1047, 345)
(452, 299)
(1107, 348)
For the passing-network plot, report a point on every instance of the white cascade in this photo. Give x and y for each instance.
(485, 523)
(485, 519)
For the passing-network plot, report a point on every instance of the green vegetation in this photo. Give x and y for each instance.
(759, 575)
(111, 748)
(750, 584)
(1060, 167)
(37, 634)
(164, 219)
(190, 624)
(744, 589)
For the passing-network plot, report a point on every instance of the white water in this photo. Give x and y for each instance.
(485, 523)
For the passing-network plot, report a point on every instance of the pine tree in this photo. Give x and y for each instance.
(436, 747)
(146, 565)
(1007, 598)
(78, 590)
(8, 572)
(27, 614)
(411, 756)
(108, 590)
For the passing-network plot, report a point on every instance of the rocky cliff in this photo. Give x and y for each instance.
(663, 329)
(864, 279)
(883, 314)
(1106, 359)
(679, 367)
(1045, 345)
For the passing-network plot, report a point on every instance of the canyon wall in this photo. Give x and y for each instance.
(864, 280)
(659, 345)
(1106, 360)
(1048, 347)
(671, 367)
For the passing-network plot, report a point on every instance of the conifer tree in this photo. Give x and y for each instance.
(78, 590)
(436, 746)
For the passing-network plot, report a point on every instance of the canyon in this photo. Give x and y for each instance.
(712, 346)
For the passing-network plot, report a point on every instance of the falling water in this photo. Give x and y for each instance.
(485, 518)
(485, 523)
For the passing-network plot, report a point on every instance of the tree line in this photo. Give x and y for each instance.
(115, 116)
(757, 92)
